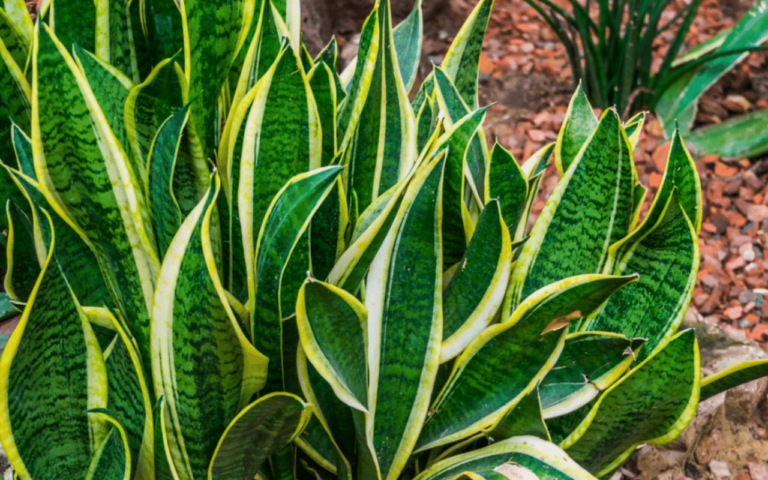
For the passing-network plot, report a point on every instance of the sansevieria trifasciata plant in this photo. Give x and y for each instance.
(235, 262)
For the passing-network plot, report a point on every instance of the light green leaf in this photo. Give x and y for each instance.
(112, 459)
(114, 37)
(733, 376)
(507, 183)
(19, 14)
(578, 126)
(738, 137)
(633, 127)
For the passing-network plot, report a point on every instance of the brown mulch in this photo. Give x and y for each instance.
(525, 74)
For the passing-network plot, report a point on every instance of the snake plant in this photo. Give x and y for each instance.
(235, 262)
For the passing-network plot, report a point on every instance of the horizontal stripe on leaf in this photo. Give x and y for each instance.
(264, 427)
(87, 178)
(52, 371)
(111, 89)
(112, 459)
(506, 361)
(129, 399)
(404, 301)
(652, 404)
(590, 363)
(282, 139)
(201, 361)
(75, 24)
(520, 457)
(525, 418)
(733, 376)
(286, 221)
(462, 60)
(456, 222)
(150, 103)
(507, 184)
(475, 292)
(23, 265)
(161, 179)
(73, 254)
(383, 148)
(577, 128)
(332, 327)
(211, 34)
(589, 210)
(666, 256)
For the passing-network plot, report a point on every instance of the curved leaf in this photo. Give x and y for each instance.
(23, 267)
(262, 428)
(14, 89)
(112, 459)
(525, 418)
(733, 376)
(640, 408)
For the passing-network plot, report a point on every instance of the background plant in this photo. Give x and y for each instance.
(235, 263)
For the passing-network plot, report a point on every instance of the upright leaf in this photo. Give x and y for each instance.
(577, 128)
(75, 24)
(404, 301)
(51, 372)
(507, 183)
(590, 209)
(525, 418)
(15, 92)
(114, 37)
(112, 459)
(323, 86)
(202, 363)
(23, 266)
(407, 37)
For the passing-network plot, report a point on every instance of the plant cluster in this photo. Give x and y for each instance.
(235, 263)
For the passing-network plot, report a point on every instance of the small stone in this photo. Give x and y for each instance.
(747, 252)
(719, 469)
(759, 333)
(758, 471)
(735, 264)
(710, 281)
(742, 476)
(537, 135)
(747, 296)
(733, 313)
(708, 447)
(527, 47)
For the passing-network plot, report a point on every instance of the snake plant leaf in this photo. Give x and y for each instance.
(157, 32)
(329, 54)
(590, 363)
(332, 326)
(342, 423)
(506, 361)
(282, 139)
(22, 146)
(383, 148)
(507, 183)
(407, 36)
(456, 222)
(475, 292)
(633, 127)
(561, 427)
(23, 267)
(667, 259)
(477, 156)
(733, 376)
(112, 459)
(317, 444)
(161, 454)
(404, 298)
(114, 37)
(13, 41)
(425, 122)
(286, 220)
(326, 233)
(596, 195)
(463, 57)
(111, 89)
(307, 62)
(751, 30)
(18, 13)
(520, 457)
(75, 24)
(211, 39)
(150, 103)
(129, 398)
(101, 203)
(637, 203)
(17, 96)
(369, 233)
(161, 179)
(294, 272)
(360, 83)
(640, 408)
(738, 137)
(44, 428)
(577, 128)
(262, 428)
(323, 87)
(74, 256)
(220, 374)
(525, 418)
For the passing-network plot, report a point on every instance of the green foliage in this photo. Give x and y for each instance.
(611, 53)
(234, 262)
